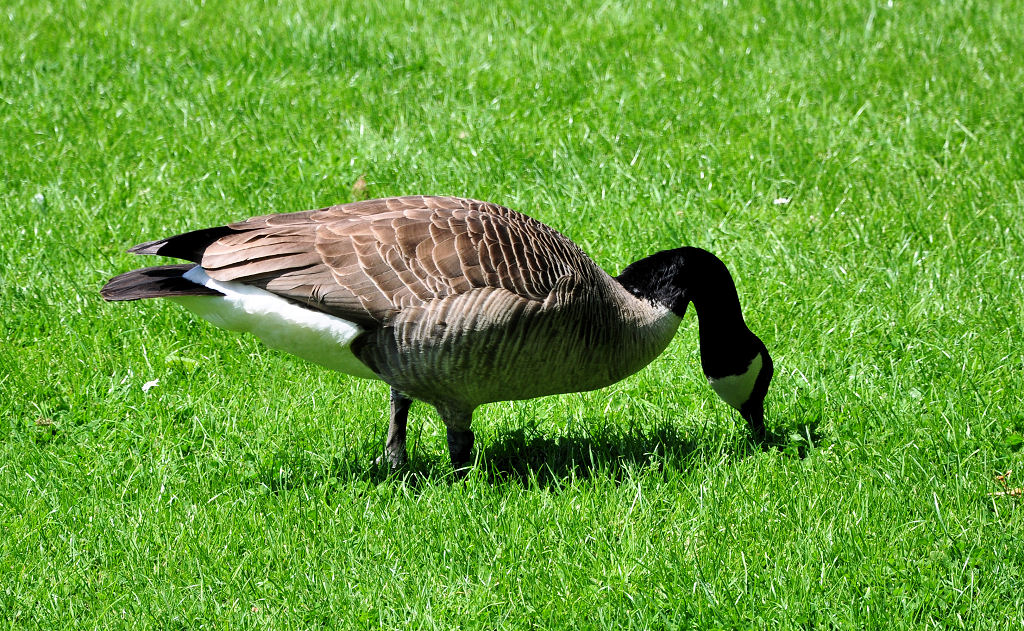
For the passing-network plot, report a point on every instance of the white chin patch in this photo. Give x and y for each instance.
(306, 333)
(736, 389)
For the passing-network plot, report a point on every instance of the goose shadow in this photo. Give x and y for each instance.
(523, 456)
(531, 458)
(528, 457)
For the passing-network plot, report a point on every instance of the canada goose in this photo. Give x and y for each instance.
(454, 302)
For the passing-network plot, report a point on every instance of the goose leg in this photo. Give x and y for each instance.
(460, 443)
(394, 448)
(460, 437)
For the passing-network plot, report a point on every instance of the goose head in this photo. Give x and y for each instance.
(741, 383)
(735, 362)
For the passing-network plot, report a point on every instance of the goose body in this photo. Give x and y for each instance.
(453, 302)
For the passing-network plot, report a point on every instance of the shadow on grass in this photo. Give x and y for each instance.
(529, 458)
(533, 459)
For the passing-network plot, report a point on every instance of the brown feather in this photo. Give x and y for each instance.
(366, 260)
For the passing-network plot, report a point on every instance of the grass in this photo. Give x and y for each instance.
(238, 492)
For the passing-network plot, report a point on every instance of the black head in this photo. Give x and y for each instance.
(734, 360)
(752, 410)
(675, 278)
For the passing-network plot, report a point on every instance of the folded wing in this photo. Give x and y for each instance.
(367, 260)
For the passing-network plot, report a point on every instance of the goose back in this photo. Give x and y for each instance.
(367, 261)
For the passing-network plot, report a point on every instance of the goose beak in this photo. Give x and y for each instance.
(753, 414)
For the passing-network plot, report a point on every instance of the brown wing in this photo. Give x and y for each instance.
(366, 260)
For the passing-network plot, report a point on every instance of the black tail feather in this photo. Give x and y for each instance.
(188, 246)
(154, 282)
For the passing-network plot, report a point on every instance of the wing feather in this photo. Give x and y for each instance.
(367, 260)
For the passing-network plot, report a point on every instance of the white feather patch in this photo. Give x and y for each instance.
(736, 389)
(311, 335)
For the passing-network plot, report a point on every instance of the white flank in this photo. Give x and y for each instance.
(736, 389)
(311, 335)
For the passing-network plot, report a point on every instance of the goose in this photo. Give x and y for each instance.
(455, 303)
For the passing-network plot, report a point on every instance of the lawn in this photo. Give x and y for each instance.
(858, 165)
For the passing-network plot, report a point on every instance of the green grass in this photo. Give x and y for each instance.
(889, 289)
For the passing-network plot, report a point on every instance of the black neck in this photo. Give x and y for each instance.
(675, 278)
